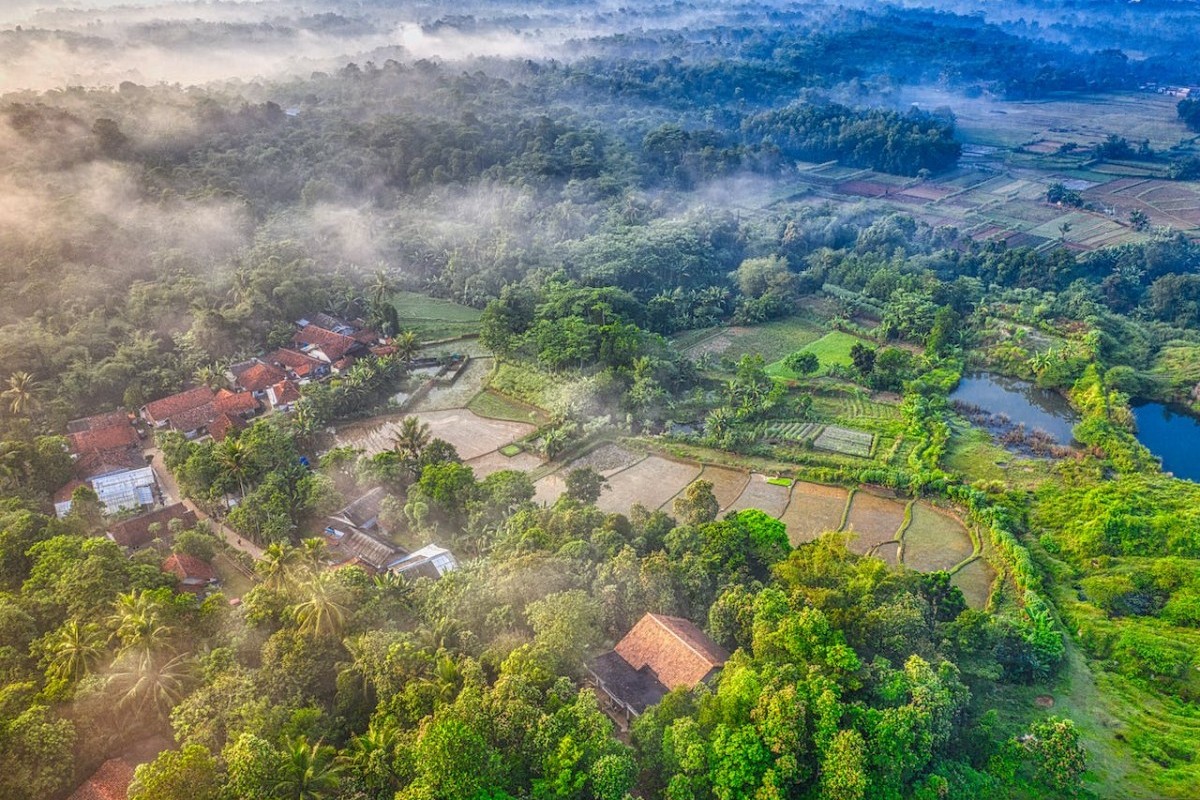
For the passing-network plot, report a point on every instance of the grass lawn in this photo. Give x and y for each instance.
(490, 403)
(433, 318)
(831, 349)
(234, 583)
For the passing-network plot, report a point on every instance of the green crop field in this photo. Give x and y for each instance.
(831, 349)
(492, 404)
(433, 318)
(845, 441)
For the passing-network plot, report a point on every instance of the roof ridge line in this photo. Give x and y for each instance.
(658, 618)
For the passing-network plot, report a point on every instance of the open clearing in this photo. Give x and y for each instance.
(728, 484)
(935, 540)
(762, 495)
(975, 581)
(650, 483)
(873, 520)
(492, 404)
(813, 510)
(471, 434)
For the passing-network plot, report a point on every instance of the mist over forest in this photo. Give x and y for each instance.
(501, 400)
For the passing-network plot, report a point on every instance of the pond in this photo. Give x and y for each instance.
(1006, 402)
(1171, 435)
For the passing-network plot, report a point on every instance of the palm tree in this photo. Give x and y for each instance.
(75, 650)
(309, 771)
(312, 552)
(210, 375)
(412, 438)
(21, 394)
(380, 286)
(149, 683)
(138, 624)
(235, 458)
(323, 612)
(278, 566)
(372, 756)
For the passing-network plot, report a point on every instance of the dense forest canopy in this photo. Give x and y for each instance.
(712, 240)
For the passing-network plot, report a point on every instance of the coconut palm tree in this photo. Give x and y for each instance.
(75, 650)
(323, 612)
(137, 622)
(411, 439)
(381, 285)
(312, 553)
(149, 683)
(372, 756)
(234, 457)
(308, 772)
(279, 566)
(21, 394)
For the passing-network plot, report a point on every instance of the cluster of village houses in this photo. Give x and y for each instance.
(109, 453)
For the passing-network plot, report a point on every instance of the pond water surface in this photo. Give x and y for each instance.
(1171, 435)
(1021, 401)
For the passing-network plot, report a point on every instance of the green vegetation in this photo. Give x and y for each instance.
(491, 403)
(831, 350)
(434, 318)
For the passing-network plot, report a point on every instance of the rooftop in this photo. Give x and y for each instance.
(135, 532)
(187, 567)
(163, 410)
(110, 782)
(674, 649)
(257, 377)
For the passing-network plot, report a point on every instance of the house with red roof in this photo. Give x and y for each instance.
(326, 345)
(258, 377)
(137, 532)
(107, 456)
(192, 412)
(283, 396)
(299, 366)
(194, 574)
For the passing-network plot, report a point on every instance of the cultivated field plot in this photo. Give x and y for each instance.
(495, 461)
(772, 340)
(469, 383)
(1174, 203)
(813, 510)
(872, 520)
(935, 540)
(651, 482)
(471, 435)
(889, 552)
(791, 431)
(846, 441)
(975, 580)
(762, 495)
(433, 318)
(606, 459)
(728, 484)
(548, 489)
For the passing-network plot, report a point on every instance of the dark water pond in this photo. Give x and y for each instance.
(1172, 436)
(1021, 402)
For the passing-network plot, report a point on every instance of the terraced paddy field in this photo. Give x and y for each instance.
(548, 489)
(607, 459)
(889, 552)
(471, 434)
(651, 482)
(813, 510)
(495, 461)
(935, 540)
(873, 520)
(728, 484)
(762, 495)
(975, 580)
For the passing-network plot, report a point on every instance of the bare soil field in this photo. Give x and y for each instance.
(549, 488)
(607, 459)
(889, 552)
(650, 482)
(727, 483)
(471, 435)
(813, 510)
(872, 520)
(762, 495)
(935, 540)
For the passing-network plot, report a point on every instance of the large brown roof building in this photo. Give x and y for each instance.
(661, 653)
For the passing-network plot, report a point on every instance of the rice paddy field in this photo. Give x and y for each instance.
(728, 484)
(935, 540)
(768, 497)
(772, 340)
(651, 482)
(813, 510)
(432, 318)
(471, 434)
(975, 580)
(831, 349)
(872, 521)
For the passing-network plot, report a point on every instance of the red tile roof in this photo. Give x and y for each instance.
(64, 494)
(110, 438)
(283, 393)
(239, 403)
(676, 650)
(106, 420)
(101, 462)
(110, 782)
(259, 376)
(193, 419)
(333, 345)
(188, 567)
(165, 409)
(299, 363)
(135, 531)
(221, 427)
